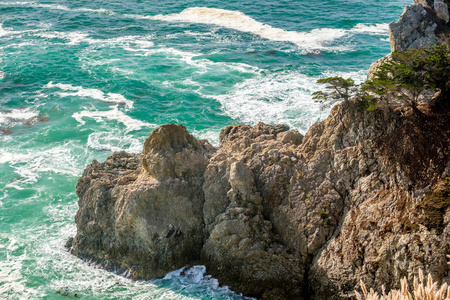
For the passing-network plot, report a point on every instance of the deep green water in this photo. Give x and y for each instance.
(80, 79)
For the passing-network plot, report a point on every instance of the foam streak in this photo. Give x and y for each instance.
(70, 90)
(314, 40)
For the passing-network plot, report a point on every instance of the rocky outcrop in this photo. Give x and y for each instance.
(421, 25)
(416, 28)
(143, 215)
(273, 214)
(441, 9)
(385, 181)
(376, 65)
(277, 215)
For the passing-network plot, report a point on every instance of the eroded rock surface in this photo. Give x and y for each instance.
(273, 214)
(143, 214)
(421, 25)
(416, 28)
(278, 215)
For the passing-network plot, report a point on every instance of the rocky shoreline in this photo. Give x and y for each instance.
(274, 214)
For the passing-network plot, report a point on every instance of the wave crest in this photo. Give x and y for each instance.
(314, 40)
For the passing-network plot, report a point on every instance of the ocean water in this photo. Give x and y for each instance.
(81, 79)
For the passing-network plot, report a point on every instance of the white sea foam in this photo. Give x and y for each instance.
(31, 164)
(114, 141)
(4, 31)
(3, 195)
(98, 11)
(57, 7)
(131, 43)
(78, 91)
(74, 38)
(17, 116)
(142, 41)
(113, 115)
(88, 281)
(314, 40)
(196, 278)
(284, 98)
(128, 43)
(357, 76)
(18, 45)
(194, 274)
(2, 75)
(202, 64)
(9, 32)
(12, 281)
(276, 98)
(210, 134)
(374, 29)
(82, 9)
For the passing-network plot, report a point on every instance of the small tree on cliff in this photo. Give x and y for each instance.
(436, 62)
(341, 89)
(409, 74)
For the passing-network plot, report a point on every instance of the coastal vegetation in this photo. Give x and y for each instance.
(405, 79)
(341, 89)
(422, 290)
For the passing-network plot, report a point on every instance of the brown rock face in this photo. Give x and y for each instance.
(143, 215)
(273, 214)
(245, 182)
(385, 176)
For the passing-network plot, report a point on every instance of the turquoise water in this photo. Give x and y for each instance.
(80, 79)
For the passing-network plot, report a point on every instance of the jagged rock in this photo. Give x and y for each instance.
(381, 237)
(420, 26)
(441, 9)
(278, 215)
(273, 214)
(143, 216)
(241, 238)
(429, 3)
(416, 28)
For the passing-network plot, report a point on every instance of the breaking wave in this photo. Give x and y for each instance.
(314, 40)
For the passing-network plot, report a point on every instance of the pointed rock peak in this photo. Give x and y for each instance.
(171, 151)
(171, 137)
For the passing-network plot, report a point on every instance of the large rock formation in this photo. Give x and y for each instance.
(416, 28)
(421, 25)
(273, 214)
(143, 215)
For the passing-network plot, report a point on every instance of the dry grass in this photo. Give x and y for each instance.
(423, 290)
